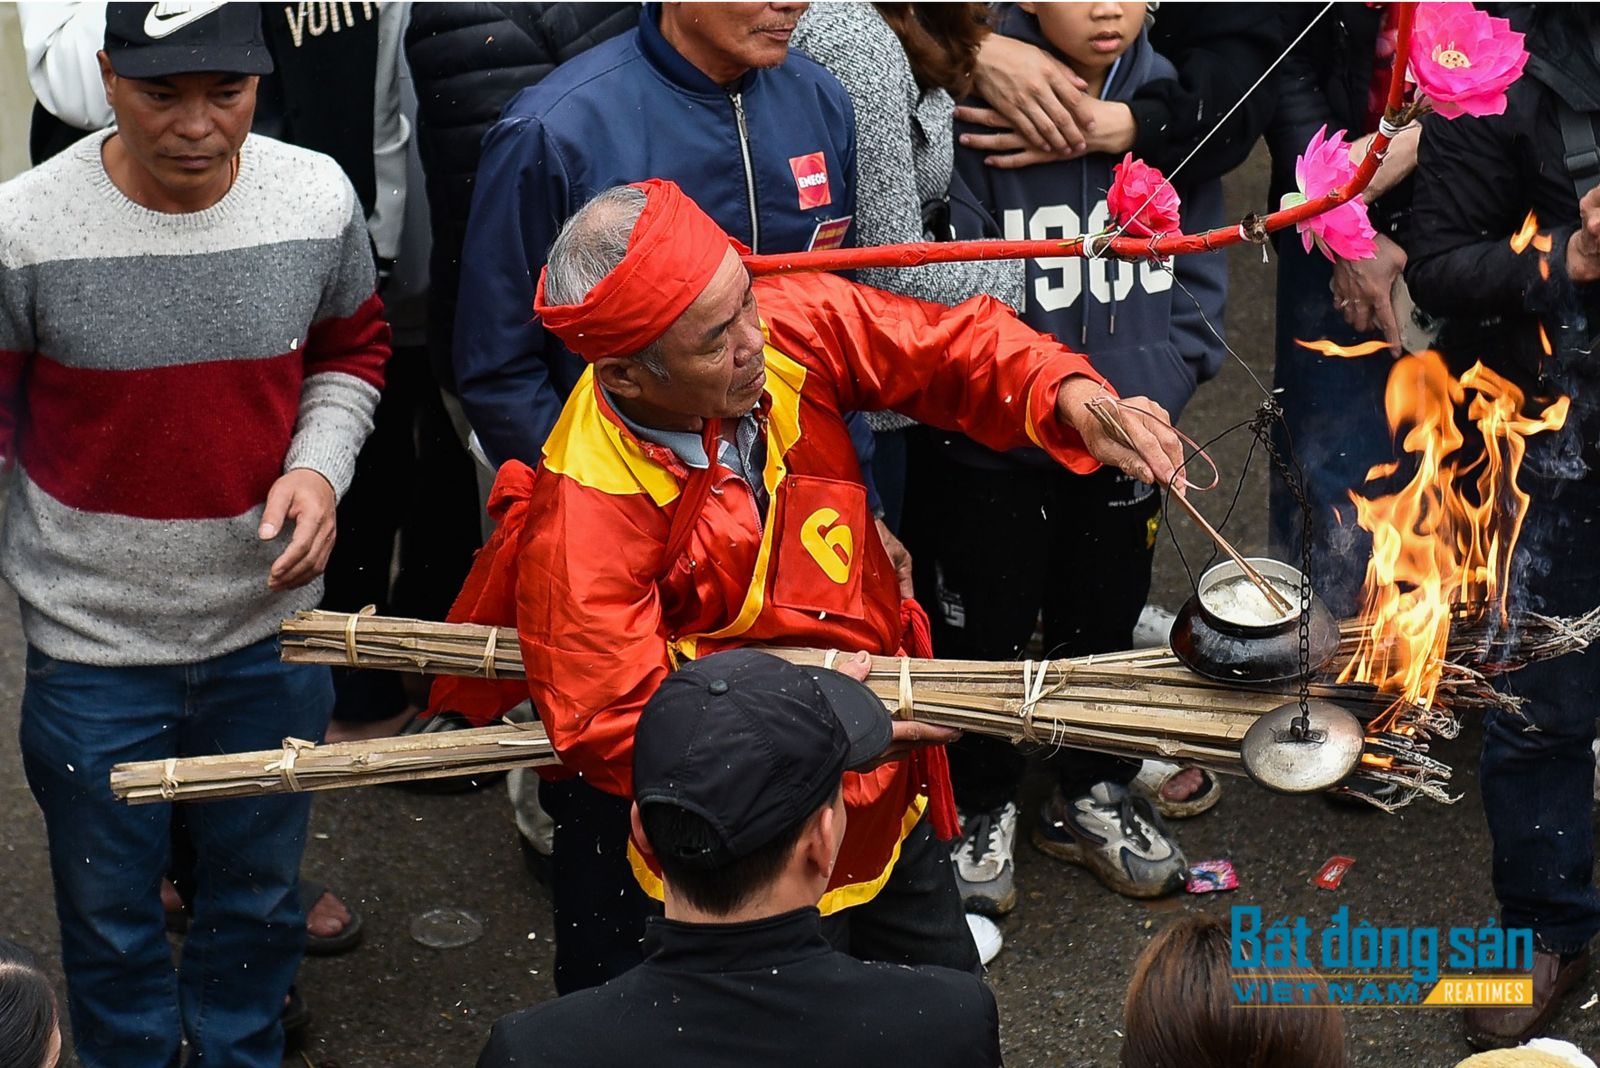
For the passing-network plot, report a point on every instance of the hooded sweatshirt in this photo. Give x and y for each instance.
(1134, 323)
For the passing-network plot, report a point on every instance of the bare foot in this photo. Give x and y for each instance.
(360, 730)
(327, 917)
(1183, 785)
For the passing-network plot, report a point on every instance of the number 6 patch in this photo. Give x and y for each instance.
(818, 565)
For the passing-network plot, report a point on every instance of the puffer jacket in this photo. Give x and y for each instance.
(466, 61)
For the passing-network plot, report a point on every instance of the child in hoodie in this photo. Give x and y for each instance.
(1024, 536)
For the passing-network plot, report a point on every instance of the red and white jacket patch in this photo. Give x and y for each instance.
(811, 178)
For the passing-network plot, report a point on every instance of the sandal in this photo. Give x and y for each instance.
(316, 945)
(331, 945)
(1155, 774)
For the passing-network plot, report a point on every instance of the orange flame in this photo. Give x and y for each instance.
(1544, 338)
(1530, 234)
(1328, 348)
(1524, 237)
(1448, 536)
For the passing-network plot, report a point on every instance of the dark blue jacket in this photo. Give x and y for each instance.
(1132, 320)
(628, 109)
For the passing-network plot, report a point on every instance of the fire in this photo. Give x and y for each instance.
(1530, 234)
(1328, 348)
(1448, 536)
(1524, 237)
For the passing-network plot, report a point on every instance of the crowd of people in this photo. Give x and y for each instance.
(442, 308)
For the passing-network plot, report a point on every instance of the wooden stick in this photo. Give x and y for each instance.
(1136, 704)
(1252, 228)
(1107, 416)
(330, 767)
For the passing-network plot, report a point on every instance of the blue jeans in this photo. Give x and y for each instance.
(129, 1005)
(1537, 772)
(1333, 408)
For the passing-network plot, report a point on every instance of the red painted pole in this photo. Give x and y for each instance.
(1253, 228)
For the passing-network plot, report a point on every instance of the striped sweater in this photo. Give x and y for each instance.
(158, 372)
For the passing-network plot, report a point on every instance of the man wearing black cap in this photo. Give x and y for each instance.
(190, 354)
(738, 766)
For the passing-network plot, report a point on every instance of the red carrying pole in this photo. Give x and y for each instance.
(1253, 228)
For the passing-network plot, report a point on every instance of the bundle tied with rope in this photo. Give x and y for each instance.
(1141, 703)
(1137, 704)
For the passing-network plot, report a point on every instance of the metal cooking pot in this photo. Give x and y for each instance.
(1221, 649)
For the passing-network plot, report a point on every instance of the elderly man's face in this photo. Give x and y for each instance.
(713, 359)
(727, 40)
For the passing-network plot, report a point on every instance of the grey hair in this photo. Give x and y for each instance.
(589, 246)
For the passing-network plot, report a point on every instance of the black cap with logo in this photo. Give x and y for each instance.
(753, 745)
(157, 40)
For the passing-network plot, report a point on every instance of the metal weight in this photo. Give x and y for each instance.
(1301, 748)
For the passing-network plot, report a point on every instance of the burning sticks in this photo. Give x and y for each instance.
(1138, 703)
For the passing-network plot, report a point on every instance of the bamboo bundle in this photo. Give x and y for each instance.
(302, 765)
(343, 639)
(1142, 703)
(1142, 676)
(1138, 703)
(1487, 645)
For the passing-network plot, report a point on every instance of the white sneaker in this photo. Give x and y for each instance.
(986, 936)
(982, 856)
(1116, 835)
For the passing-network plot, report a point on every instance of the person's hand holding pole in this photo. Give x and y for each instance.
(908, 734)
(1157, 453)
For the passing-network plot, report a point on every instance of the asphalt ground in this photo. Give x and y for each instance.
(1069, 947)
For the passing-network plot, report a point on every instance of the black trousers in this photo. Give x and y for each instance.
(995, 549)
(413, 481)
(600, 911)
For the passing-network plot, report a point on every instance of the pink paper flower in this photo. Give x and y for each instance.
(1462, 59)
(1140, 200)
(1343, 233)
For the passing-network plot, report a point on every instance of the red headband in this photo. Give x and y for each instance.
(674, 250)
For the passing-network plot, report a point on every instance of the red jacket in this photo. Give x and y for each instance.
(601, 614)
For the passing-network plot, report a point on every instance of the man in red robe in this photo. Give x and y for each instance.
(700, 492)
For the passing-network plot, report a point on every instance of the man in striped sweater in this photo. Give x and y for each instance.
(190, 354)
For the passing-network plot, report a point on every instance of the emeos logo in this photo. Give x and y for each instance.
(829, 545)
(811, 180)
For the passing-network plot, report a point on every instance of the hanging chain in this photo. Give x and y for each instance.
(1270, 413)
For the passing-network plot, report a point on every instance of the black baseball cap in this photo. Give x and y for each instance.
(753, 745)
(155, 40)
